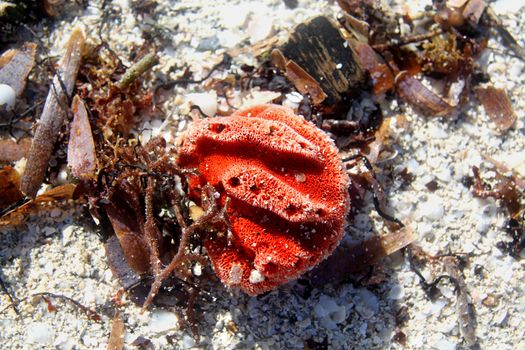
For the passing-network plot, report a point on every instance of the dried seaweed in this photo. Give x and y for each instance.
(464, 307)
(9, 188)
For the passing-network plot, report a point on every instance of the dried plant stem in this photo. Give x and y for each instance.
(53, 115)
(137, 70)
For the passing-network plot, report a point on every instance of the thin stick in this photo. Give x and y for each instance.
(137, 70)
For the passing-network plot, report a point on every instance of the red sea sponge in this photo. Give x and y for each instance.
(287, 188)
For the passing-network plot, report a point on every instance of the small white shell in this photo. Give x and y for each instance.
(7, 97)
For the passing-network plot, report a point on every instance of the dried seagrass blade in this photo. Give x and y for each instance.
(81, 156)
(53, 115)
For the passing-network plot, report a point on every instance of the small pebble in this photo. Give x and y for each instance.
(40, 333)
(162, 321)
(7, 97)
(432, 208)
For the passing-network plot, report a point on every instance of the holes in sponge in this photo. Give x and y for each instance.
(234, 181)
(291, 210)
(217, 128)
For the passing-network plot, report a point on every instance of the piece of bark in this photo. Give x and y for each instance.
(15, 66)
(318, 47)
(497, 105)
(53, 115)
(81, 155)
(11, 150)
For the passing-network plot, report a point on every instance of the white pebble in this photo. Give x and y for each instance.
(162, 321)
(432, 208)
(369, 305)
(7, 96)
(445, 344)
(39, 333)
(397, 292)
(207, 101)
(259, 28)
(256, 277)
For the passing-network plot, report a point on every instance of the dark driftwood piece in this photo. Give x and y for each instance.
(319, 48)
(53, 115)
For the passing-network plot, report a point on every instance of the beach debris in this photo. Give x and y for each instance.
(81, 155)
(116, 336)
(497, 105)
(11, 150)
(47, 297)
(9, 187)
(15, 66)
(378, 71)
(53, 115)
(303, 82)
(318, 48)
(464, 306)
(143, 343)
(139, 68)
(349, 259)
(421, 97)
(17, 214)
(261, 179)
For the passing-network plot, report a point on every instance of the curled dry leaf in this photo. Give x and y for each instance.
(420, 97)
(16, 217)
(81, 156)
(53, 115)
(15, 66)
(498, 106)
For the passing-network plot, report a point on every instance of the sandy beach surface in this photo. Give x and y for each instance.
(59, 252)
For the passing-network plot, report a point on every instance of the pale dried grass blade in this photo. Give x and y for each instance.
(81, 156)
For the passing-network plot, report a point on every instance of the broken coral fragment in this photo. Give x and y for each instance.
(282, 224)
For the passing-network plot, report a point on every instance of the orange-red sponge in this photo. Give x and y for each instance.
(288, 193)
